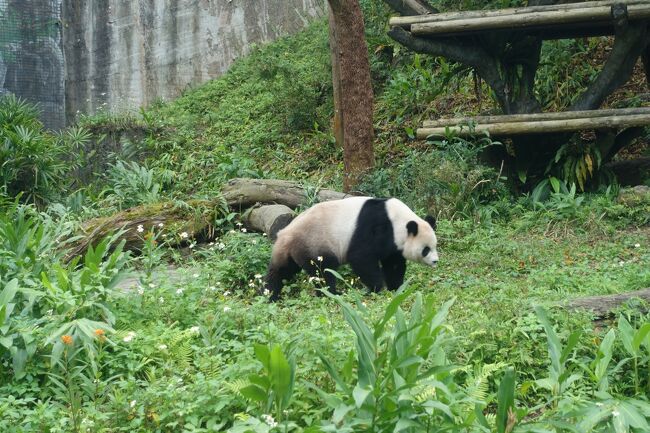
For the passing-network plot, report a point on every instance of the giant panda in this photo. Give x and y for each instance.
(375, 236)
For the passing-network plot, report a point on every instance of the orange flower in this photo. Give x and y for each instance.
(67, 340)
(100, 334)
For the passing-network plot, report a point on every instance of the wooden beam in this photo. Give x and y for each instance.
(407, 21)
(519, 21)
(452, 121)
(602, 306)
(543, 126)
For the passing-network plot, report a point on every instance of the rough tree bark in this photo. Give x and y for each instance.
(508, 61)
(353, 96)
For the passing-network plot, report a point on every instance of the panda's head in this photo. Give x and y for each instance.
(421, 243)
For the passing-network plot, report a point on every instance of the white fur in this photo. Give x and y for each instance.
(412, 246)
(324, 227)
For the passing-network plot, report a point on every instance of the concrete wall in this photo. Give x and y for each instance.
(31, 56)
(121, 54)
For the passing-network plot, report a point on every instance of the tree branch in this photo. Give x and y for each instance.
(631, 39)
(411, 7)
(472, 55)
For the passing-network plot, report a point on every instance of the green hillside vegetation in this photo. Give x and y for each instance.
(167, 339)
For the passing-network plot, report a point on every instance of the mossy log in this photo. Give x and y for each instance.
(195, 218)
(603, 305)
(242, 193)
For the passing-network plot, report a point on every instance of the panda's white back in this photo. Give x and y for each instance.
(325, 227)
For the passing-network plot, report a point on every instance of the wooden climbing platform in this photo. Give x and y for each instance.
(548, 22)
(518, 124)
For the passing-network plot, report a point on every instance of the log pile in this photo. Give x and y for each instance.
(267, 205)
(516, 124)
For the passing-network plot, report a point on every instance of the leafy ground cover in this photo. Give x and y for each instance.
(181, 340)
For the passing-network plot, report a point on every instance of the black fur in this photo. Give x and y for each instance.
(432, 221)
(372, 242)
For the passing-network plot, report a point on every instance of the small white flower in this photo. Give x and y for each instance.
(179, 291)
(231, 231)
(212, 289)
(195, 275)
(264, 234)
(226, 309)
(615, 413)
(319, 258)
(266, 292)
(599, 404)
(239, 224)
(49, 312)
(221, 245)
(251, 284)
(268, 419)
(161, 300)
(254, 241)
(192, 245)
(184, 235)
(211, 243)
(226, 293)
(132, 404)
(140, 228)
(141, 291)
(621, 263)
(162, 347)
(258, 276)
(364, 304)
(129, 336)
(161, 225)
(243, 230)
(194, 329)
(312, 279)
(637, 245)
(152, 285)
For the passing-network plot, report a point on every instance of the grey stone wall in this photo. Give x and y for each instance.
(81, 56)
(121, 54)
(31, 56)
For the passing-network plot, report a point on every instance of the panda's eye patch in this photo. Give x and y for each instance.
(426, 251)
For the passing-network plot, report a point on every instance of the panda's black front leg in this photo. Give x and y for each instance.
(276, 274)
(394, 268)
(368, 270)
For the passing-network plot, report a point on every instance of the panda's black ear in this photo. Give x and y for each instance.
(412, 228)
(431, 220)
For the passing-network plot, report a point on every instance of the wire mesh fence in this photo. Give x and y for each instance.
(31, 56)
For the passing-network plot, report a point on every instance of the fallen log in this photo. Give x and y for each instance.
(603, 305)
(242, 193)
(269, 219)
(172, 222)
(180, 222)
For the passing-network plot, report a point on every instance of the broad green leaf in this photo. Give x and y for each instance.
(262, 354)
(639, 336)
(360, 395)
(255, 393)
(506, 399)
(8, 292)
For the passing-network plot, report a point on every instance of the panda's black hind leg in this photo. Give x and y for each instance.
(394, 268)
(276, 274)
(318, 268)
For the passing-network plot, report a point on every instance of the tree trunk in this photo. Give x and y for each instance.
(353, 97)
